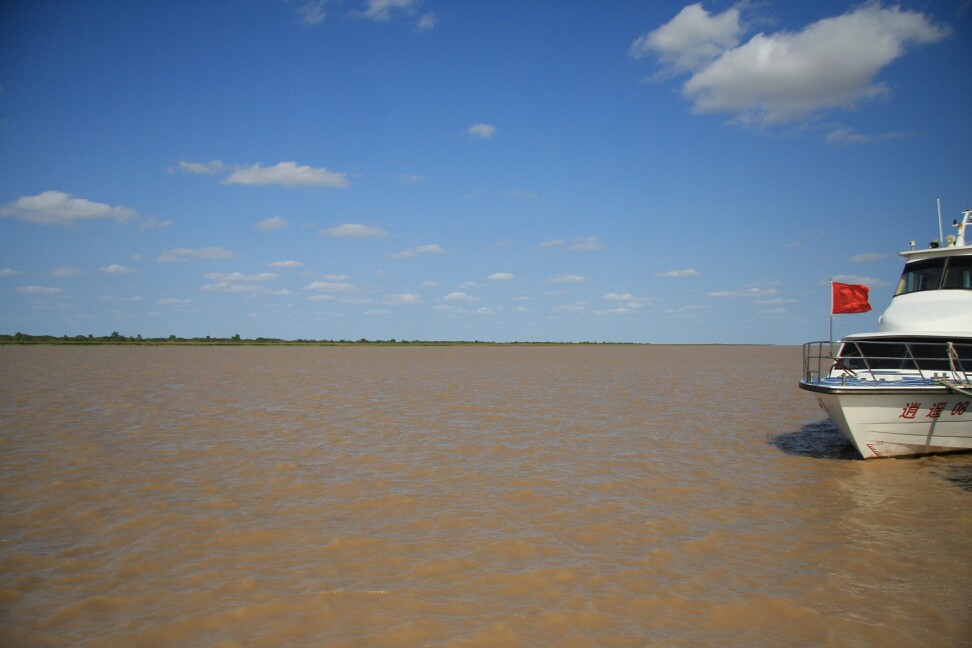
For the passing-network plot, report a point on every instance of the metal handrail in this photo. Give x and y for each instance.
(861, 360)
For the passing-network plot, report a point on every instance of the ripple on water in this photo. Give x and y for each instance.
(515, 496)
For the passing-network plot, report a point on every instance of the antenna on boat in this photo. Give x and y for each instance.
(941, 236)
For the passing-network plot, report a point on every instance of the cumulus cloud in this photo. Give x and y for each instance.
(691, 39)
(39, 290)
(415, 251)
(239, 276)
(287, 264)
(173, 301)
(459, 296)
(483, 131)
(59, 208)
(585, 244)
(381, 10)
(687, 272)
(65, 272)
(9, 272)
(355, 231)
(873, 282)
(237, 282)
(204, 168)
(331, 286)
(566, 278)
(312, 13)
(404, 299)
(272, 223)
(785, 76)
(288, 174)
(116, 269)
(501, 276)
(745, 293)
(624, 303)
(427, 21)
(236, 287)
(183, 254)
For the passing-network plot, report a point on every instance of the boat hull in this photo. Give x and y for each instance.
(897, 422)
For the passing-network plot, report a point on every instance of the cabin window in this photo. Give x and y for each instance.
(958, 273)
(920, 275)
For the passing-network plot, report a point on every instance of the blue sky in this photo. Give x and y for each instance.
(438, 170)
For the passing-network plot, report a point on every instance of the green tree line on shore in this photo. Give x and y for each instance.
(117, 339)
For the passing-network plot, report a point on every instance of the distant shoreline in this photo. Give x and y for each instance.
(22, 339)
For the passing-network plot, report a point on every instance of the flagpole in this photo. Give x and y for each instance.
(831, 316)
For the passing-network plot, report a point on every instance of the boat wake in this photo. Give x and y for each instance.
(820, 440)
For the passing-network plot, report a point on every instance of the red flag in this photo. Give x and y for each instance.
(849, 298)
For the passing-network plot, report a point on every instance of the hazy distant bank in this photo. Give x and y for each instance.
(172, 340)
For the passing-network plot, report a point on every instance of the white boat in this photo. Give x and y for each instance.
(907, 388)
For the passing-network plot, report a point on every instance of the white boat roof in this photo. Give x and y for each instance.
(956, 336)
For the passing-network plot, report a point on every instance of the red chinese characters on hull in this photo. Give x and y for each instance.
(935, 410)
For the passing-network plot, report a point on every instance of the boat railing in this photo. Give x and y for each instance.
(888, 362)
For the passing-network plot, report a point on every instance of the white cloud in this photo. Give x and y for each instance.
(501, 276)
(625, 303)
(692, 38)
(873, 282)
(786, 76)
(59, 208)
(272, 223)
(288, 174)
(116, 269)
(39, 290)
(331, 286)
(10, 272)
(312, 13)
(182, 254)
(152, 223)
(287, 264)
(585, 244)
(413, 252)
(687, 272)
(427, 21)
(380, 10)
(846, 135)
(404, 298)
(238, 276)
(459, 296)
(566, 278)
(67, 271)
(746, 292)
(483, 131)
(553, 243)
(234, 287)
(628, 299)
(173, 301)
(204, 168)
(355, 231)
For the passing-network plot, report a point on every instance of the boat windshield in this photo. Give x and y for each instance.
(946, 273)
(958, 273)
